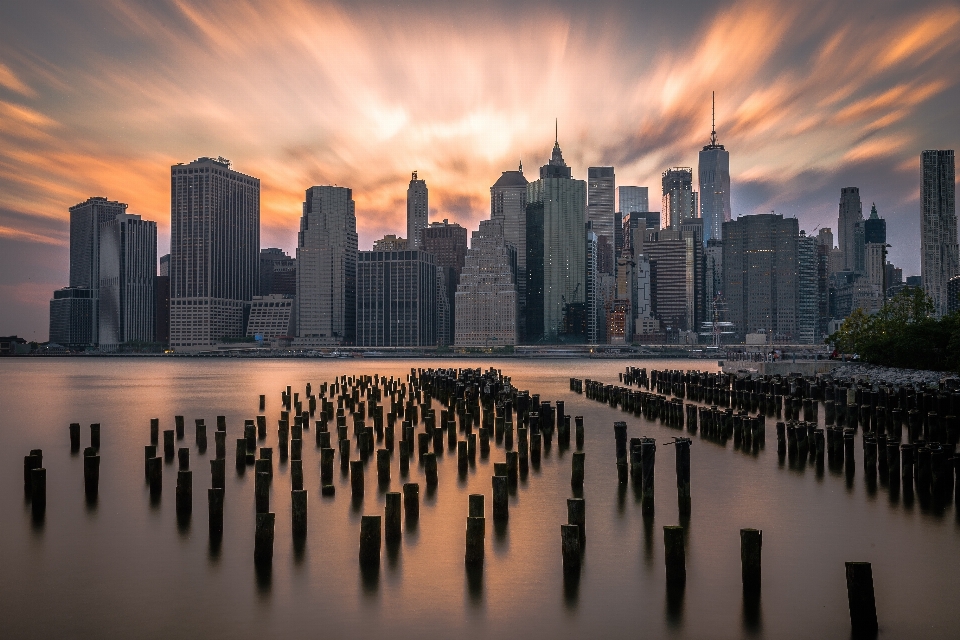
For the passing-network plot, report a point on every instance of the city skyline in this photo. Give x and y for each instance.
(802, 116)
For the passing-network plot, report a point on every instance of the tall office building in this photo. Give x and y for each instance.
(761, 284)
(418, 212)
(713, 275)
(679, 203)
(601, 190)
(874, 228)
(396, 299)
(953, 294)
(86, 221)
(447, 241)
(508, 205)
(632, 199)
(72, 317)
(486, 304)
(850, 229)
(808, 290)
(939, 255)
(162, 288)
(594, 295)
(327, 267)
(676, 258)
(128, 271)
(278, 273)
(271, 318)
(214, 251)
(556, 254)
(714, 174)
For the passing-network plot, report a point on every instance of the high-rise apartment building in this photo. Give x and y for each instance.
(632, 200)
(214, 251)
(447, 241)
(72, 317)
(556, 254)
(128, 271)
(601, 191)
(396, 299)
(486, 304)
(939, 254)
(162, 287)
(418, 211)
(278, 273)
(325, 311)
(714, 174)
(850, 228)
(679, 203)
(86, 221)
(594, 294)
(676, 259)
(808, 290)
(508, 205)
(761, 283)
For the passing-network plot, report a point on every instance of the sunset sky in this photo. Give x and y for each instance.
(101, 97)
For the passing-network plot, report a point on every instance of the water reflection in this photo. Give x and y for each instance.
(571, 587)
(674, 612)
(370, 579)
(474, 576)
(751, 614)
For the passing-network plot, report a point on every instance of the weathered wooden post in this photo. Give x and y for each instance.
(578, 420)
(155, 476)
(392, 528)
(383, 466)
(751, 541)
(263, 539)
(184, 492)
(218, 473)
(370, 540)
(513, 466)
(215, 511)
(475, 534)
(577, 514)
(38, 491)
(576, 477)
(411, 500)
(648, 455)
(201, 434)
(683, 475)
(462, 457)
(261, 491)
(178, 424)
(356, 479)
(91, 473)
(501, 504)
(863, 606)
(241, 455)
(570, 547)
(299, 499)
(430, 469)
(296, 474)
(183, 458)
(674, 556)
(344, 455)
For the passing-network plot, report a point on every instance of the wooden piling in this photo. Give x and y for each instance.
(296, 474)
(178, 423)
(391, 517)
(155, 476)
(370, 540)
(241, 455)
(263, 539)
(513, 466)
(501, 504)
(383, 466)
(183, 458)
(682, 446)
(261, 492)
(475, 534)
(578, 421)
(218, 473)
(751, 541)
(577, 514)
(411, 500)
(184, 492)
(570, 546)
(38, 491)
(168, 444)
(674, 556)
(863, 607)
(462, 457)
(299, 499)
(430, 469)
(91, 472)
(356, 479)
(576, 477)
(215, 511)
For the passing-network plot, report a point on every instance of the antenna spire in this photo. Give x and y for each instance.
(556, 131)
(713, 118)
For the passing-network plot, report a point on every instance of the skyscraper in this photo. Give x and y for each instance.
(601, 190)
(278, 273)
(939, 259)
(327, 267)
(632, 200)
(679, 199)
(850, 229)
(761, 283)
(808, 290)
(874, 228)
(556, 247)
(486, 304)
(214, 251)
(676, 258)
(72, 317)
(86, 221)
(418, 211)
(508, 205)
(128, 270)
(447, 241)
(714, 184)
(396, 299)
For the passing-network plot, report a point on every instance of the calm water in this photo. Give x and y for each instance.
(125, 569)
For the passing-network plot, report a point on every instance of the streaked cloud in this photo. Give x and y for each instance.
(359, 94)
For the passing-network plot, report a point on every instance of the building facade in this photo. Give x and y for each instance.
(214, 251)
(278, 273)
(448, 243)
(508, 205)
(556, 254)
(808, 290)
(325, 310)
(850, 228)
(761, 284)
(632, 199)
(679, 202)
(391, 242)
(128, 272)
(73, 317)
(418, 210)
(486, 304)
(939, 255)
(677, 263)
(601, 192)
(271, 317)
(714, 183)
(396, 299)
